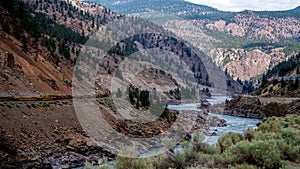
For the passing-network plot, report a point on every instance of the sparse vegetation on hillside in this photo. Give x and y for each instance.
(175, 7)
(285, 67)
(47, 33)
(283, 79)
(24, 18)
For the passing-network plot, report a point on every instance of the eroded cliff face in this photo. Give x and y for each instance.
(244, 65)
(229, 44)
(222, 26)
(256, 27)
(247, 61)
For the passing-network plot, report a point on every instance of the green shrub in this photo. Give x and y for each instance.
(197, 140)
(244, 166)
(189, 152)
(238, 153)
(108, 102)
(210, 163)
(288, 135)
(228, 140)
(91, 165)
(209, 159)
(159, 161)
(202, 157)
(261, 153)
(289, 167)
(198, 137)
(169, 143)
(266, 154)
(199, 167)
(209, 149)
(288, 151)
(40, 105)
(297, 120)
(259, 135)
(10, 105)
(269, 127)
(179, 159)
(249, 134)
(127, 159)
(133, 163)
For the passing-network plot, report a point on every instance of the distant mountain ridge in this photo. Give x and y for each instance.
(179, 8)
(184, 9)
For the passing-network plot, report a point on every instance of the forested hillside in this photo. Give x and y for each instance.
(42, 49)
(176, 7)
(283, 79)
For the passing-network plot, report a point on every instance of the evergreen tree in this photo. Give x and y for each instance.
(6, 27)
(57, 59)
(131, 97)
(144, 98)
(282, 83)
(271, 90)
(24, 45)
(119, 93)
(244, 88)
(250, 87)
(239, 81)
(193, 68)
(296, 83)
(264, 81)
(119, 74)
(229, 83)
(199, 67)
(64, 50)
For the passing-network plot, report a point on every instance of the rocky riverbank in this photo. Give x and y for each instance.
(204, 122)
(249, 107)
(256, 107)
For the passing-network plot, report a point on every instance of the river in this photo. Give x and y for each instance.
(234, 124)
